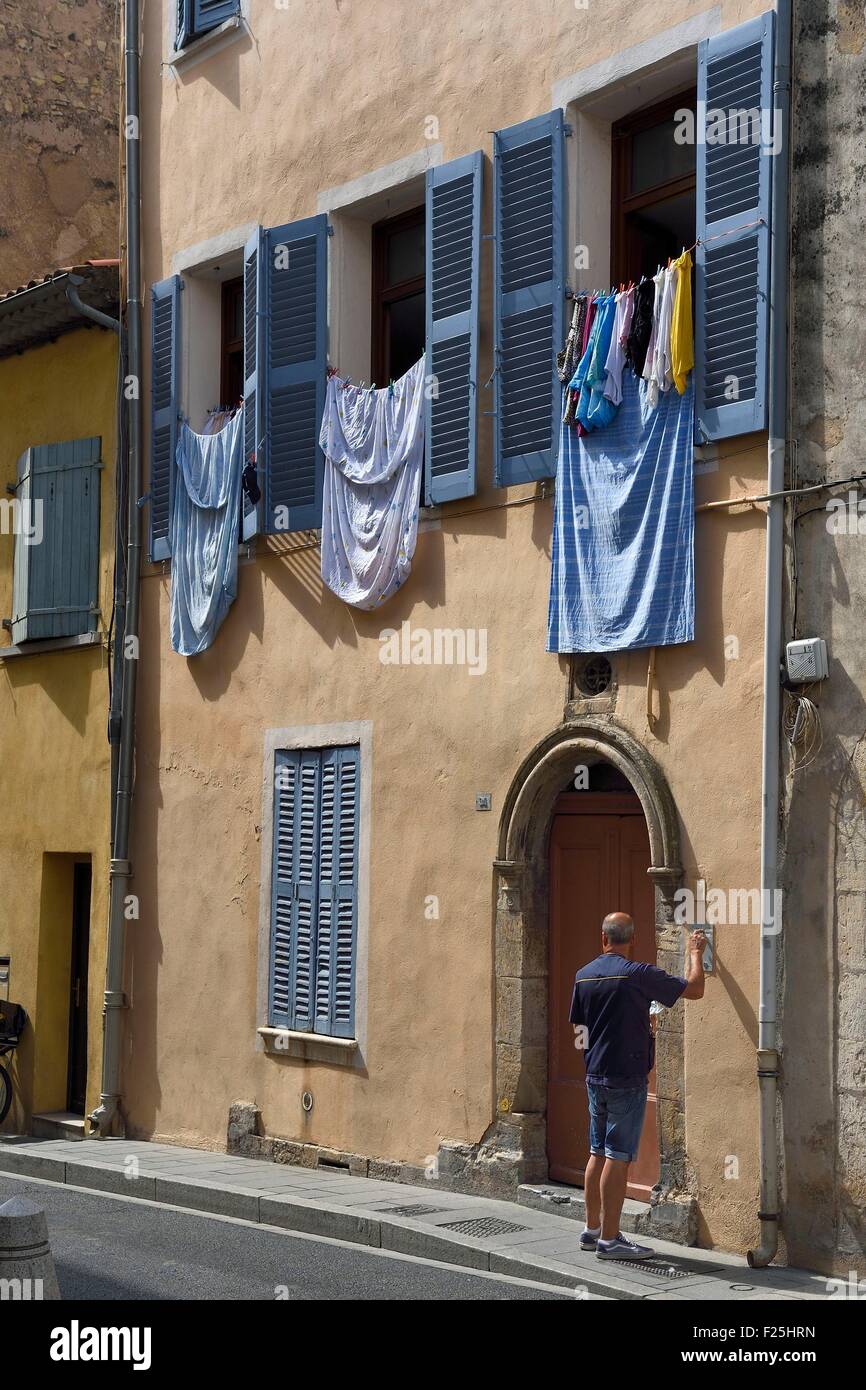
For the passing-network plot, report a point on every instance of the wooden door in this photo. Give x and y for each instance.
(599, 856)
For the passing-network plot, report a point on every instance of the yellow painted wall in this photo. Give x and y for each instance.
(254, 134)
(54, 757)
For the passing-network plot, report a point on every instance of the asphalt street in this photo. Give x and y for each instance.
(110, 1248)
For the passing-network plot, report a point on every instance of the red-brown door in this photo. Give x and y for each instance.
(599, 856)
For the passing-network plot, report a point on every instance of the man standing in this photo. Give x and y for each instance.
(610, 1010)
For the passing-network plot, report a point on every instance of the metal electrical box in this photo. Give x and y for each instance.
(806, 660)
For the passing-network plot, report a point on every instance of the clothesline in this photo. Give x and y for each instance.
(701, 241)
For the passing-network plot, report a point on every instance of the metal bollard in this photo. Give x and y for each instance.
(26, 1264)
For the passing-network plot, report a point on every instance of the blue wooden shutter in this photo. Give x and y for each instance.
(529, 290)
(253, 400)
(452, 293)
(732, 277)
(207, 14)
(56, 582)
(164, 390)
(294, 887)
(183, 23)
(338, 893)
(292, 368)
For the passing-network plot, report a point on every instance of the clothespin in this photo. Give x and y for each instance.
(391, 387)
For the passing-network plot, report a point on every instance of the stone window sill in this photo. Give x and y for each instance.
(51, 644)
(287, 1042)
(207, 44)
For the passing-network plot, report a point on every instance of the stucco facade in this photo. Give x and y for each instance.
(449, 1023)
(825, 821)
(58, 135)
(54, 811)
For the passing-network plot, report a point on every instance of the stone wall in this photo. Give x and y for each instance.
(824, 1037)
(58, 136)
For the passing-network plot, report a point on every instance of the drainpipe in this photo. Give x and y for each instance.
(106, 1116)
(768, 1057)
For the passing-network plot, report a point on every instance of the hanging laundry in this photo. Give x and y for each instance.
(622, 571)
(682, 329)
(573, 392)
(594, 411)
(641, 326)
(615, 360)
(204, 533)
(373, 442)
(648, 373)
(567, 359)
(660, 375)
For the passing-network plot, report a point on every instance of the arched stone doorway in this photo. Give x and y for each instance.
(513, 1151)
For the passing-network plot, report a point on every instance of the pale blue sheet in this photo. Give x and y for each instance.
(204, 534)
(622, 572)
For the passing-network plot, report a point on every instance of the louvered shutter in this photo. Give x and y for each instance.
(452, 292)
(294, 885)
(182, 25)
(732, 277)
(56, 581)
(253, 400)
(164, 389)
(292, 366)
(207, 14)
(529, 289)
(337, 899)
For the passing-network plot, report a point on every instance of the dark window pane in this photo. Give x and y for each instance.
(405, 334)
(405, 254)
(656, 157)
(660, 231)
(237, 328)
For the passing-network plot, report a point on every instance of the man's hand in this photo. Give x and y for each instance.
(695, 970)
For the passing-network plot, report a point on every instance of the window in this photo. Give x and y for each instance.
(398, 295)
(314, 890)
(56, 567)
(232, 342)
(198, 17)
(653, 190)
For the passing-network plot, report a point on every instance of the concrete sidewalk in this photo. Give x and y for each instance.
(501, 1237)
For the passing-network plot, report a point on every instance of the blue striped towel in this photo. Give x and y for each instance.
(623, 571)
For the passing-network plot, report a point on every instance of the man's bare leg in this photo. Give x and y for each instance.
(592, 1190)
(614, 1180)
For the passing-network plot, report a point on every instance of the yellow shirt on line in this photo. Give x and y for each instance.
(682, 332)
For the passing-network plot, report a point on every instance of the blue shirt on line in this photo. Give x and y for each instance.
(611, 1000)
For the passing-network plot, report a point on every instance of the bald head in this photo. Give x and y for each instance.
(617, 929)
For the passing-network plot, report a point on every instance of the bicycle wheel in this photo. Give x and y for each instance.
(5, 1093)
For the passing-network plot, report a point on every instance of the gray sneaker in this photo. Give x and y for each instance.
(622, 1249)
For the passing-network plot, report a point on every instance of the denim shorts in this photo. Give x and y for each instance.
(615, 1120)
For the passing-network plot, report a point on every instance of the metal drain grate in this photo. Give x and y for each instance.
(482, 1226)
(412, 1209)
(663, 1269)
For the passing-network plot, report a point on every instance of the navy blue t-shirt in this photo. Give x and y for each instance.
(611, 1000)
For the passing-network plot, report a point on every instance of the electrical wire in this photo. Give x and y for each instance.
(801, 725)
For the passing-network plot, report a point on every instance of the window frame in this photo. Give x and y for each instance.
(185, 31)
(622, 203)
(279, 1041)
